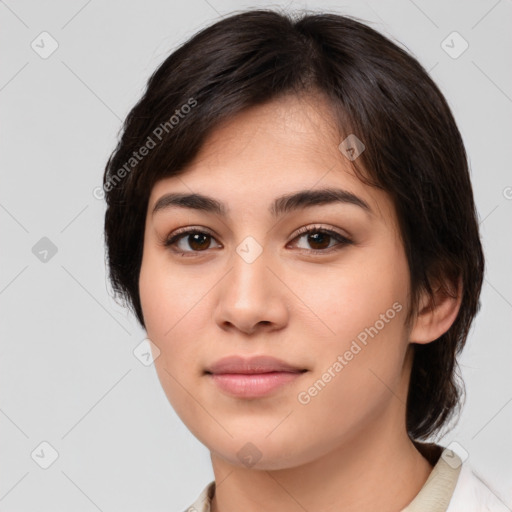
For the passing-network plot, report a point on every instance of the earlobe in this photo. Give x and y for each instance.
(436, 314)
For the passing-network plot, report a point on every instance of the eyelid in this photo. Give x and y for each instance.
(317, 227)
(342, 239)
(188, 230)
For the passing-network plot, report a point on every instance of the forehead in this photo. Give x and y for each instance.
(293, 128)
(288, 144)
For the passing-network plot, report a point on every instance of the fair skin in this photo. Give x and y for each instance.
(347, 449)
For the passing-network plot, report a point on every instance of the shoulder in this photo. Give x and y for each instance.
(473, 494)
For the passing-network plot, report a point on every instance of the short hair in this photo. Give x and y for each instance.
(413, 151)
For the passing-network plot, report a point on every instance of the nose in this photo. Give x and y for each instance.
(251, 298)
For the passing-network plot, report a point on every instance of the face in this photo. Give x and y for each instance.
(318, 282)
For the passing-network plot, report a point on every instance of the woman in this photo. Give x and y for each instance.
(290, 217)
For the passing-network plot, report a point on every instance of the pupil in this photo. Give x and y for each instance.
(195, 236)
(314, 239)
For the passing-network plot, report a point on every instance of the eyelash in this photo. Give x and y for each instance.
(342, 240)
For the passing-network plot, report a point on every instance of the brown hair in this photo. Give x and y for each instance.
(414, 152)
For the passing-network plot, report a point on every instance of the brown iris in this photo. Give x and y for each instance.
(322, 239)
(199, 241)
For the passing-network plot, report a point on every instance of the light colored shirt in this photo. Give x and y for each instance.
(452, 486)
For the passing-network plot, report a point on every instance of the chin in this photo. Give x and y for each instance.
(261, 453)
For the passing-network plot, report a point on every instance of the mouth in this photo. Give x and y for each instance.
(252, 377)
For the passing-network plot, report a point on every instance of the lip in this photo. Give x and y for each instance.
(250, 365)
(252, 377)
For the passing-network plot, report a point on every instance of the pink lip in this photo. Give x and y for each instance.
(252, 377)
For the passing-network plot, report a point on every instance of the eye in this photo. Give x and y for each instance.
(319, 239)
(197, 239)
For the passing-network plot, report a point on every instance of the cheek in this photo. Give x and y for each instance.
(359, 370)
(155, 297)
(359, 313)
(175, 311)
(343, 300)
(167, 296)
(163, 303)
(167, 306)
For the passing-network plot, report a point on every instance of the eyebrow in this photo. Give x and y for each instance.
(281, 205)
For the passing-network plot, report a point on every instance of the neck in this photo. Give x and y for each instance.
(378, 469)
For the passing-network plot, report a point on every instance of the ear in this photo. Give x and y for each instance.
(436, 315)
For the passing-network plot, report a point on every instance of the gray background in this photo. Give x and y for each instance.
(68, 375)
